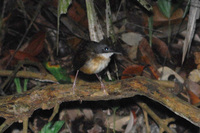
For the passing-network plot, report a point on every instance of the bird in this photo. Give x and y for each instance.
(92, 58)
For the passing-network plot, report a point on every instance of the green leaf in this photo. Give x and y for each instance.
(63, 6)
(114, 113)
(25, 84)
(18, 85)
(187, 8)
(146, 5)
(48, 128)
(59, 73)
(165, 7)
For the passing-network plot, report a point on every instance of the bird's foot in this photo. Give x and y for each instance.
(74, 84)
(73, 87)
(103, 87)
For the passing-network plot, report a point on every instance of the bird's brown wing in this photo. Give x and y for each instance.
(81, 56)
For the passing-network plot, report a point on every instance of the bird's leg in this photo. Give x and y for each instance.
(74, 84)
(102, 85)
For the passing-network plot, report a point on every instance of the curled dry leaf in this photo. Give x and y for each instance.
(166, 72)
(132, 39)
(154, 73)
(138, 70)
(146, 56)
(23, 56)
(95, 129)
(36, 44)
(194, 76)
(88, 114)
(119, 122)
(160, 20)
(134, 70)
(161, 47)
(70, 114)
(193, 87)
(34, 47)
(193, 98)
(78, 14)
(131, 122)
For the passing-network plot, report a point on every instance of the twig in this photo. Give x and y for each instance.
(7, 123)
(55, 111)
(146, 121)
(14, 107)
(25, 125)
(28, 74)
(20, 64)
(162, 123)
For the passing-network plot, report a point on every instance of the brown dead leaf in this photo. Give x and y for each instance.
(197, 59)
(95, 129)
(36, 44)
(78, 14)
(194, 76)
(160, 20)
(193, 98)
(132, 40)
(193, 87)
(161, 47)
(145, 54)
(130, 71)
(29, 51)
(119, 122)
(139, 70)
(88, 114)
(70, 114)
(23, 56)
(154, 73)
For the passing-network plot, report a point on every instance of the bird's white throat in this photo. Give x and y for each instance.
(106, 55)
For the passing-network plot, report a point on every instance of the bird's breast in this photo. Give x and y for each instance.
(95, 65)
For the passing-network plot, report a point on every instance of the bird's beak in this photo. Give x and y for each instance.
(117, 53)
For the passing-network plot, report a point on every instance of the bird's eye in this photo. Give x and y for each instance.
(106, 48)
